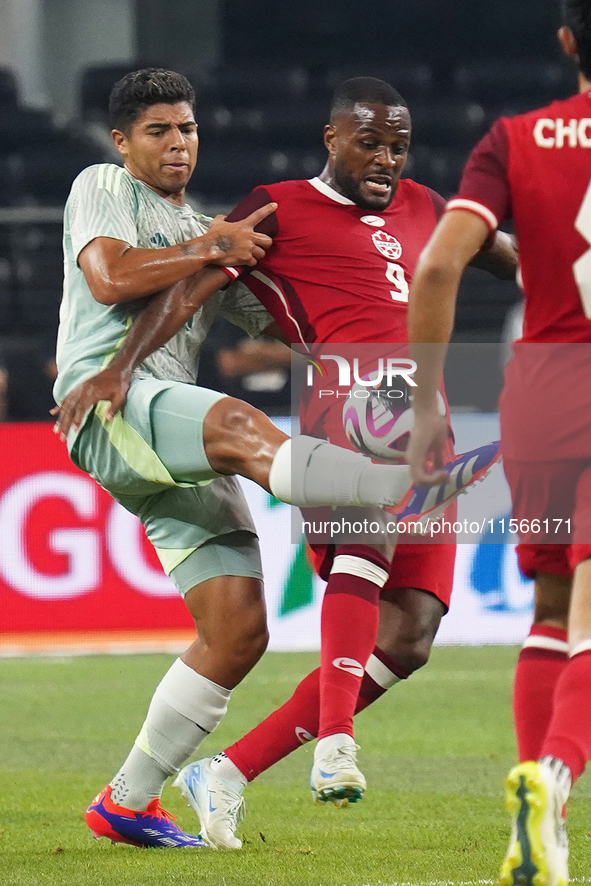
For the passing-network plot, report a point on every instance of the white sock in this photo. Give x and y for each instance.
(222, 765)
(329, 742)
(184, 710)
(561, 773)
(309, 472)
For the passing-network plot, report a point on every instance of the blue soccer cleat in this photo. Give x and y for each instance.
(152, 828)
(425, 504)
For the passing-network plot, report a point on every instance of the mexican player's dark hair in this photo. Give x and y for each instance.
(139, 90)
(576, 15)
(364, 90)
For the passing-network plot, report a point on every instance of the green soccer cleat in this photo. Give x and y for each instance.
(538, 850)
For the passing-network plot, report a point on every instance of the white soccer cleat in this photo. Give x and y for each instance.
(217, 801)
(335, 777)
(538, 849)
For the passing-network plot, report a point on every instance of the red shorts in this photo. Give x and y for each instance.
(427, 567)
(552, 504)
(418, 564)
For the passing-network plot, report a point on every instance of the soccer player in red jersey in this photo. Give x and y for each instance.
(534, 168)
(345, 247)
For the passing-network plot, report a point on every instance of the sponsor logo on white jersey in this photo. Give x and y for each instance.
(374, 220)
(303, 735)
(349, 665)
(387, 245)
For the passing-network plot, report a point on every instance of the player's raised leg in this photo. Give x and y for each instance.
(310, 472)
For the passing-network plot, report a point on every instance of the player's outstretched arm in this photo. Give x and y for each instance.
(117, 272)
(431, 309)
(163, 316)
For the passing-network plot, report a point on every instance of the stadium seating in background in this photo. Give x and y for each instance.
(226, 171)
(38, 159)
(415, 82)
(274, 125)
(38, 162)
(236, 86)
(96, 83)
(439, 168)
(499, 82)
(39, 276)
(8, 89)
(7, 195)
(43, 172)
(28, 360)
(20, 127)
(6, 306)
(446, 122)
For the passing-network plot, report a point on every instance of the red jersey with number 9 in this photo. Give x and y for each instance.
(337, 272)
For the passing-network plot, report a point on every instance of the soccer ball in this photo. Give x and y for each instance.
(378, 420)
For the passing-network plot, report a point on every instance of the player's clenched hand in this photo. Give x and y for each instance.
(237, 243)
(111, 384)
(424, 453)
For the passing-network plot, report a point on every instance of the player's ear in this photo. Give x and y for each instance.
(566, 38)
(120, 141)
(329, 137)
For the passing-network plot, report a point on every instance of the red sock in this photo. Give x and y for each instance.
(348, 628)
(296, 722)
(286, 729)
(540, 664)
(569, 734)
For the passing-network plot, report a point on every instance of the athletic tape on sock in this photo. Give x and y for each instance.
(561, 773)
(359, 567)
(379, 673)
(193, 695)
(584, 646)
(539, 641)
(280, 473)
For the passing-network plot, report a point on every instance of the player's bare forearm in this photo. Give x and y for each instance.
(430, 328)
(164, 315)
(456, 240)
(431, 310)
(158, 322)
(117, 272)
(501, 259)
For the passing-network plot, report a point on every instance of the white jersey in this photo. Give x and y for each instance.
(107, 201)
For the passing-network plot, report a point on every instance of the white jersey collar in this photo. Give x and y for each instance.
(330, 192)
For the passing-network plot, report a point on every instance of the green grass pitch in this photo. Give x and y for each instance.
(434, 751)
